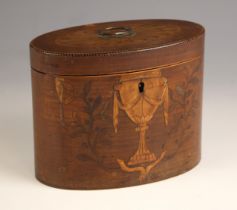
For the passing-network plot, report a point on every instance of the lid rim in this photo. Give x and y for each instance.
(112, 53)
(160, 67)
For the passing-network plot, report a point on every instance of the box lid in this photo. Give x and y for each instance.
(116, 47)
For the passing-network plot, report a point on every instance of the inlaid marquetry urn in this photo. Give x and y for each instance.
(117, 104)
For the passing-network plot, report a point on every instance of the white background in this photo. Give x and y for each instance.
(211, 185)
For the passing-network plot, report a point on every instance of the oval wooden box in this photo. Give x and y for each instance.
(117, 104)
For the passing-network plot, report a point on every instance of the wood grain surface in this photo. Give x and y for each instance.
(125, 125)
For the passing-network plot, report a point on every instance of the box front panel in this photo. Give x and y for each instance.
(119, 130)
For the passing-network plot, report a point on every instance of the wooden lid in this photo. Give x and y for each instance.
(116, 47)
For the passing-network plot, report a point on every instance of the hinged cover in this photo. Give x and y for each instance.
(116, 47)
